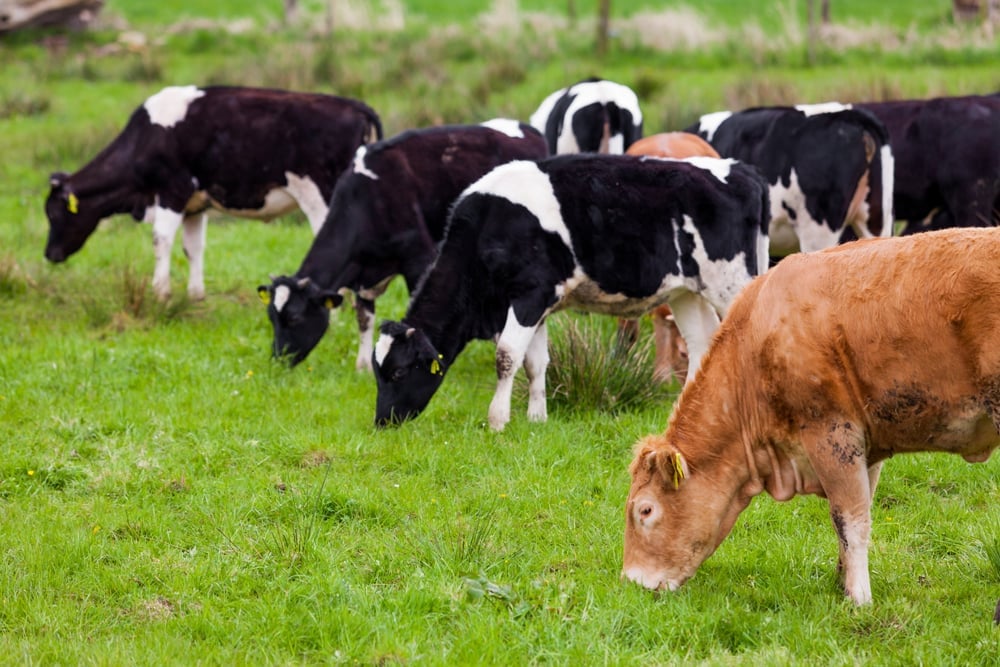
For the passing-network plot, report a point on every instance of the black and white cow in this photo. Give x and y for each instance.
(387, 215)
(617, 235)
(253, 153)
(592, 116)
(947, 152)
(830, 169)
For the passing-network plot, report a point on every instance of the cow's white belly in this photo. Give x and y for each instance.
(581, 293)
(277, 202)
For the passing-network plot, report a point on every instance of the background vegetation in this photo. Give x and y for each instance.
(170, 496)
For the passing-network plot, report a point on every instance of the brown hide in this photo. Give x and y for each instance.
(672, 145)
(671, 351)
(825, 366)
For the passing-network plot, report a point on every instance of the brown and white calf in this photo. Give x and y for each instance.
(249, 152)
(825, 366)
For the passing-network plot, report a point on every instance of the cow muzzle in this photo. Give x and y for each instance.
(656, 581)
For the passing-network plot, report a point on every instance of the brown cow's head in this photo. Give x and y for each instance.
(674, 519)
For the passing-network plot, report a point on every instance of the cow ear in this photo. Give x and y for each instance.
(57, 178)
(264, 293)
(673, 466)
(332, 300)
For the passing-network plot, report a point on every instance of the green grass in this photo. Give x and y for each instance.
(170, 496)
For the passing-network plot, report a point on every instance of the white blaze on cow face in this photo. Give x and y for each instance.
(709, 123)
(169, 106)
(824, 107)
(281, 296)
(508, 126)
(382, 348)
(359, 164)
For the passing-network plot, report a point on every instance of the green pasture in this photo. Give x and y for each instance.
(168, 495)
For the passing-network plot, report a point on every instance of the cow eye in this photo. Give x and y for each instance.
(398, 374)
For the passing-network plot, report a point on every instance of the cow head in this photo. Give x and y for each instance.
(300, 314)
(674, 519)
(71, 221)
(408, 370)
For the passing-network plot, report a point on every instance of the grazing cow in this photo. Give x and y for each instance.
(592, 116)
(830, 168)
(387, 215)
(253, 153)
(825, 366)
(671, 359)
(947, 154)
(617, 235)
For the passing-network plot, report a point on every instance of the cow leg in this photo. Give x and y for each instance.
(697, 321)
(512, 345)
(671, 350)
(194, 248)
(847, 481)
(364, 309)
(165, 226)
(536, 360)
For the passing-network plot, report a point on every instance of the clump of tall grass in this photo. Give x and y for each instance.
(128, 302)
(590, 369)
(23, 104)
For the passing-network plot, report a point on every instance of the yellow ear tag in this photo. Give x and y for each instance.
(265, 296)
(436, 368)
(73, 204)
(678, 466)
(328, 303)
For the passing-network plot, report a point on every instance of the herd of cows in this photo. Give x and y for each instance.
(799, 378)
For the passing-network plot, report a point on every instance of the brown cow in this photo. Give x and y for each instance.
(826, 365)
(671, 350)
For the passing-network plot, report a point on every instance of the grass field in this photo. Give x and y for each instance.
(170, 496)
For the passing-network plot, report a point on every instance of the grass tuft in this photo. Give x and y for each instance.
(590, 371)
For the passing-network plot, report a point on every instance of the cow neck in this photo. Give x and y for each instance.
(443, 306)
(331, 262)
(712, 423)
(109, 170)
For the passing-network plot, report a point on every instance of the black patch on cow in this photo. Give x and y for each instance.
(844, 443)
(901, 404)
(505, 364)
(947, 153)
(839, 526)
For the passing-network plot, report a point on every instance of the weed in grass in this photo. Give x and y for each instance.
(590, 371)
(13, 280)
(24, 105)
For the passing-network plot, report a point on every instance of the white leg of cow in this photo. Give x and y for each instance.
(536, 360)
(511, 348)
(165, 226)
(306, 194)
(365, 312)
(194, 248)
(842, 470)
(697, 321)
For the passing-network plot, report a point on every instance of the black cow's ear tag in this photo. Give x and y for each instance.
(264, 294)
(329, 303)
(72, 204)
(436, 365)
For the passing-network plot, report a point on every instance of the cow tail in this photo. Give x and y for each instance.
(881, 167)
(763, 229)
(374, 129)
(605, 145)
